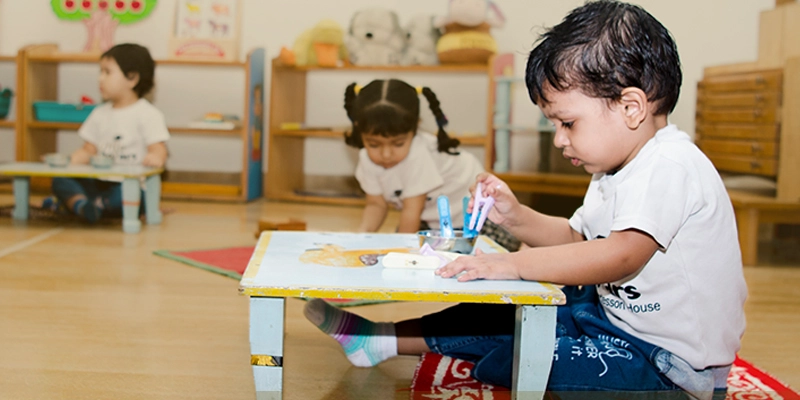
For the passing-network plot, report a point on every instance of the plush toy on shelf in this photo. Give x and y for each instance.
(375, 38)
(421, 37)
(466, 36)
(322, 45)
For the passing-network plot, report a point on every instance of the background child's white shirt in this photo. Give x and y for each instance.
(124, 133)
(424, 171)
(689, 297)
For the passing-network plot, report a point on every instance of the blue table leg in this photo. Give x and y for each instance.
(152, 199)
(131, 197)
(266, 346)
(534, 343)
(22, 190)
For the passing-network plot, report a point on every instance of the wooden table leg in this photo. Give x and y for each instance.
(22, 191)
(153, 199)
(534, 343)
(131, 198)
(747, 224)
(266, 346)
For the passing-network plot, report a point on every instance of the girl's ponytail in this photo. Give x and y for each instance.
(446, 143)
(354, 137)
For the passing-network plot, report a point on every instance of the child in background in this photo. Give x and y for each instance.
(655, 288)
(407, 168)
(126, 128)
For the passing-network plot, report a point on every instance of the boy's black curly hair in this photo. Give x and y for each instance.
(602, 48)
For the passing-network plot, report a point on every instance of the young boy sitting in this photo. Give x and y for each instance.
(655, 289)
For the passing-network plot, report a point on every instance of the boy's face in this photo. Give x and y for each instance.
(113, 83)
(387, 151)
(591, 132)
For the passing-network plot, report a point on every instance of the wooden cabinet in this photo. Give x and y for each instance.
(745, 122)
(286, 178)
(37, 79)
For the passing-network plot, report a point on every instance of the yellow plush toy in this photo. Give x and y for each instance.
(321, 45)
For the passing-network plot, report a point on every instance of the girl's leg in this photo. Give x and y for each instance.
(78, 195)
(365, 343)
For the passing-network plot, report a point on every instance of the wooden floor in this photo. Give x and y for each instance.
(90, 313)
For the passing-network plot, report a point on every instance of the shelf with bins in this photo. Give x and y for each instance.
(37, 80)
(286, 178)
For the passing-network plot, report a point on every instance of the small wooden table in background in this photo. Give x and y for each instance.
(293, 264)
(131, 176)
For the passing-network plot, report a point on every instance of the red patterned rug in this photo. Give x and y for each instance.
(231, 262)
(443, 378)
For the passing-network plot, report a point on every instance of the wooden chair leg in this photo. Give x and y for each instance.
(747, 224)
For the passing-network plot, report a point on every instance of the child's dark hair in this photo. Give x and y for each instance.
(391, 107)
(134, 59)
(602, 48)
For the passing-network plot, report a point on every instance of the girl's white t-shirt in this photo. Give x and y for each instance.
(424, 171)
(124, 133)
(689, 297)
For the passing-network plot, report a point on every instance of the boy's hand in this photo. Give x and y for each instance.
(480, 266)
(506, 203)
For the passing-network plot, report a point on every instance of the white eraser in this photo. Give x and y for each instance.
(412, 261)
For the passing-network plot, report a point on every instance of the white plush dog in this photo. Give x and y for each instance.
(375, 38)
(421, 38)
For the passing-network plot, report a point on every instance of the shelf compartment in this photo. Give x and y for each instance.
(391, 68)
(60, 57)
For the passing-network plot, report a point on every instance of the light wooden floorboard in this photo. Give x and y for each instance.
(90, 313)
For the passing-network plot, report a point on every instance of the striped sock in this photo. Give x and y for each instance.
(365, 343)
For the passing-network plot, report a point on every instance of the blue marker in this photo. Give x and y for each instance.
(468, 233)
(445, 223)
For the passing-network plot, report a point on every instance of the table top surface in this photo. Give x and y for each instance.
(334, 265)
(76, 171)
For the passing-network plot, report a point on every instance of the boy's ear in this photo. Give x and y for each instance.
(634, 106)
(133, 79)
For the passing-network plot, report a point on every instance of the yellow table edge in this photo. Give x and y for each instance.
(553, 296)
(87, 174)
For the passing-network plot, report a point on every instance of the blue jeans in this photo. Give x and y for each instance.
(591, 358)
(110, 193)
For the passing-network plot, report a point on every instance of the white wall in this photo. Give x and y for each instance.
(708, 32)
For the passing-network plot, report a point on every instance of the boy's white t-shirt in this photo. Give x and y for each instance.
(689, 298)
(424, 171)
(124, 133)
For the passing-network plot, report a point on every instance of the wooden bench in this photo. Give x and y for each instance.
(754, 209)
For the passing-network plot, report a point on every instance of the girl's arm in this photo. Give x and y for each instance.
(374, 214)
(83, 154)
(583, 263)
(156, 155)
(410, 216)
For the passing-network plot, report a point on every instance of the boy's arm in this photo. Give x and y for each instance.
(583, 263)
(156, 155)
(374, 214)
(410, 216)
(83, 154)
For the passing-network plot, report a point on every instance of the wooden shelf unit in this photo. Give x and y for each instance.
(285, 175)
(37, 79)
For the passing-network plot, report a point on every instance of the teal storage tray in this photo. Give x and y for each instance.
(53, 111)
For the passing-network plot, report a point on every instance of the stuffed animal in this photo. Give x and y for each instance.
(466, 36)
(375, 38)
(472, 13)
(421, 38)
(321, 45)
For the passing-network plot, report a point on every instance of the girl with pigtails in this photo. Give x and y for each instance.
(407, 168)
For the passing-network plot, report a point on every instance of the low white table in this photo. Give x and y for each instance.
(131, 176)
(328, 265)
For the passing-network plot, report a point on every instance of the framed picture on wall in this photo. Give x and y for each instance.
(206, 30)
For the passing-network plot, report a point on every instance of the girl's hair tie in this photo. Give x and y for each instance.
(419, 89)
(357, 88)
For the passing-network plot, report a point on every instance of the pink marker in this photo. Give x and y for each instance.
(480, 209)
